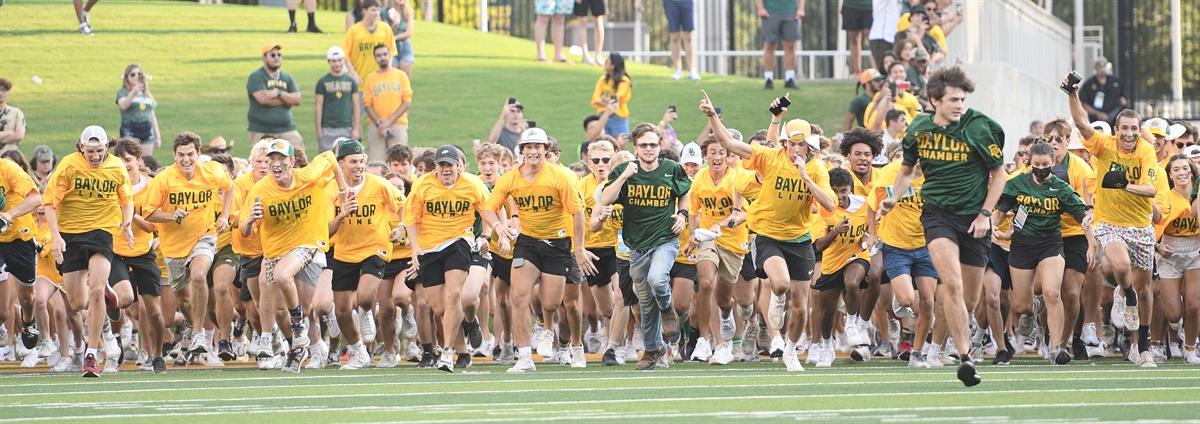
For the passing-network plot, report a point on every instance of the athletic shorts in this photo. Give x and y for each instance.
(251, 267)
(941, 223)
(81, 247)
(596, 7)
(1027, 252)
(395, 266)
(346, 274)
(837, 280)
(19, 258)
(1075, 252)
(606, 266)
(179, 269)
(244, 291)
(502, 268)
(680, 15)
(799, 257)
(225, 256)
(1139, 242)
(551, 256)
(688, 272)
(554, 7)
(747, 272)
(856, 19)
(313, 259)
(780, 27)
(141, 272)
(1186, 257)
(998, 262)
(728, 263)
(625, 282)
(456, 256)
(914, 263)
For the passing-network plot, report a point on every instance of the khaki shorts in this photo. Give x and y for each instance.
(314, 262)
(293, 137)
(728, 263)
(178, 269)
(377, 145)
(330, 135)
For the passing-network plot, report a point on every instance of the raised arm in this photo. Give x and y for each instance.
(739, 148)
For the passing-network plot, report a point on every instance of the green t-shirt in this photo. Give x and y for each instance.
(139, 110)
(858, 107)
(1042, 206)
(337, 111)
(269, 119)
(857, 4)
(780, 6)
(917, 80)
(649, 202)
(956, 159)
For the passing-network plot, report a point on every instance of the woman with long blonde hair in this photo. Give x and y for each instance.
(137, 109)
(400, 16)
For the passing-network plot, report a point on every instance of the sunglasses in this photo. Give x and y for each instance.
(135, 74)
(647, 145)
(596, 161)
(1022, 153)
(274, 54)
(1057, 138)
(1182, 145)
(218, 151)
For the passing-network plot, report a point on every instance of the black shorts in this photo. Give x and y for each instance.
(940, 223)
(251, 267)
(1027, 252)
(502, 269)
(549, 256)
(687, 272)
(1075, 252)
(998, 262)
(20, 258)
(395, 266)
(81, 247)
(625, 282)
(799, 257)
(328, 255)
(747, 273)
(244, 291)
(347, 274)
(142, 272)
(595, 6)
(456, 256)
(606, 266)
(854, 19)
(837, 280)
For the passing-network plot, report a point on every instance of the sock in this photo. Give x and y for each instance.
(768, 75)
(311, 19)
(427, 348)
(563, 343)
(737, 340)
(91, 351)
(1143, 338)
(1130, 296)
(612, 344)
(525, 352)
(357, 345)
(789, 74)
(292, 16)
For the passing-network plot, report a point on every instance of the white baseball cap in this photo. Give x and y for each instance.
(335, 52)
(1102, 126)
(94, 132)
(1192, 152)
(1175, 131)
(534, 135)
(691, 154)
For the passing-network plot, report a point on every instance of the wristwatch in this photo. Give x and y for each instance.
(985, 212)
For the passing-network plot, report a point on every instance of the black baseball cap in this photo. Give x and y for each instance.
(446, 154)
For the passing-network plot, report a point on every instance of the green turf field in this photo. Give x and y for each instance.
(199, 58)
(1104, 390)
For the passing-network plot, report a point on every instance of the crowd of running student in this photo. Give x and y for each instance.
(924, 250)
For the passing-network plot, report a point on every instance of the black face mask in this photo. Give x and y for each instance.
(1042, 174)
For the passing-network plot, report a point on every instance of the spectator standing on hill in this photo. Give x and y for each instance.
(555, 13)
(12, 120)
(387, 99)
(597, 9)
(1103, 95)
(339, 102)
(509, 127)
(401, 18)
(272, 94)
(614, 87)
(81, 13)
(680, 24)
(918, 32)
(309, 5)
(780, 23)
(856, 18)
(361, 39)
(137, 109)
(884, 17)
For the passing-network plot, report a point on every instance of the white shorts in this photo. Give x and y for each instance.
(1186, 256)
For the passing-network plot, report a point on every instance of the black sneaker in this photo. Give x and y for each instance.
(294, 358)
(496, 353)
(777, 354)
(226, 350)
(239, 328)
(292, 28)
(159, 365)
(789, 84)
(1062, 358)
(473, 333)
(463, 361)
(427, 360)
(312, 27)
(183, 359)
(29, 334)
(966, 374)
(1002, 358)
(1080, 350)
(610, 358)
(770, 85)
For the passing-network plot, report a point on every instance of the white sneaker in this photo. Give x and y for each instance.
(30, 361)
(357, 360)
(1089, 335)
(63, 365)
(485, 348)
(728, 325)
(827, 357)
(1118, 309)
(694, 76)
(334, 331)
(524, 364)
(777, 344)
(410, 325)
(1191, 357)
(508, 354)
(861, 353)
(630, 355)
(7, 353)
(917, 360)
(545, 347)
(199, 342)
(790, 361)
(1157, 353)
(255, 349)
(702, 351)
(776, 311)
(677, 75)
(934, 357)
(1147, 360)
(578, 360)
(561, 356)
(446, 360)
(210, 359)
(413, 352)
(621, 355)
(300, 334)
(638, 343)
(802, 344)
(592, 340)
(664, 361)
(144, 362)
(723, 354)
(387, 360)
(855, 336)
(1174, 349)
(269, 363)
(814, 354)
(318, 356)
(112, 349)
(366, 325)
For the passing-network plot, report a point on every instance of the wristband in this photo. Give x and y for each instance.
(775, 122)
(682, 211)
(1088, 208)
(496, 224)
(736, 210)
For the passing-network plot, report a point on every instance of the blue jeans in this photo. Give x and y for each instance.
(651, 272)
(616, 126)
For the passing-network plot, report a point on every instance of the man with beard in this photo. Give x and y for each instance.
(387, 95)
(273, 93)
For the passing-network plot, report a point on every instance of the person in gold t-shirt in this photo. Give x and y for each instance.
(18, 250)
(294, 231)
(87, 201)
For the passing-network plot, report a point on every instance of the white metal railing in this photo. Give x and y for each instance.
(1015, 32)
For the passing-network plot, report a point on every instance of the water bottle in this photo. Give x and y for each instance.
(621, 247)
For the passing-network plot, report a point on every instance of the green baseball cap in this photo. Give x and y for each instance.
(349, 147)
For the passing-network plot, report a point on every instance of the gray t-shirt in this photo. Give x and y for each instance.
(508, 139)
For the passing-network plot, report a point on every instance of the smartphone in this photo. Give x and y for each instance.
(718, 109)
(775, 111)
(531, 123)
(1072, 79)
(892, 87)
(904, 85)
(142, 78)
(671, 108)
(512, 100)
